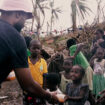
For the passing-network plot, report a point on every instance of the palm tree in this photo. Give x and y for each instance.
(100, 11)
(54, 14)
(78, 7)
(37, 9)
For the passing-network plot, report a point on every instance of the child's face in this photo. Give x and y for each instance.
(75, 73)
(67, 65)
(100, 54)
(35, 49)
(98, 35)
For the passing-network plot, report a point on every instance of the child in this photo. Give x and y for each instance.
(38, 68)
(79, 59)
(55, 66)
(98, 64)
(77, 92)
(65, 75)
(99, 35)
(52, 82)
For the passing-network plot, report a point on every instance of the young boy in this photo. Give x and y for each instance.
(38, 68)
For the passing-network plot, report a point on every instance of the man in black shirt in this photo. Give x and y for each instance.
(13, 51)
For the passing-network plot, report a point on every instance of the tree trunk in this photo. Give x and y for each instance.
(32, 26)
(51, 25)
(74, 26)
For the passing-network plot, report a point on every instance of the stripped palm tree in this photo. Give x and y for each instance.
(78, 8)
(100, 11)
(103, 12)
(54, 14)
(37, 9)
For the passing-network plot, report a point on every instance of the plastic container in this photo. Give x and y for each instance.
(61, 97)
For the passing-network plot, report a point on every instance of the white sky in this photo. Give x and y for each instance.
(65, 21)
(65, 18)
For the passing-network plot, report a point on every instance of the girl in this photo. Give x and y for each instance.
(98, 64)
(99, 35)
(79, 59)
(77, 92)
(38, 68)
(65, 75)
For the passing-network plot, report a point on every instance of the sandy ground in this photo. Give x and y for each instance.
(13, 92)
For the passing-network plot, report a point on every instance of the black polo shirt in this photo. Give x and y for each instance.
(13, 51)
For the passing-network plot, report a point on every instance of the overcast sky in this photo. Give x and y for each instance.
(65, 19)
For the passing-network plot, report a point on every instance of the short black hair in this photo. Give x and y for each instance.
(71, 42)
(34, 41)
(53, 78)
(100, 31)
(27, 40)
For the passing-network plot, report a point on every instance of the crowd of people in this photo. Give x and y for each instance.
(79, 79)
(70, 81)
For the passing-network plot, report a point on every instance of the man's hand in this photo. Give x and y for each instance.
(53, 98)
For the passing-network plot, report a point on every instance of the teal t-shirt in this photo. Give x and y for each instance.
(80, 59)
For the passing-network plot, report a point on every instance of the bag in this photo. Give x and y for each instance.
(11, 76)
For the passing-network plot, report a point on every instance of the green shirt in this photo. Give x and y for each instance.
(80, 59)
(28, 52)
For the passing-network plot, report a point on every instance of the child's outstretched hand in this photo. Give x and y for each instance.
(72, 57)
(82, 44)
(66, 97)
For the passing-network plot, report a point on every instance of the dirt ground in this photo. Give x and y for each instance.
(13, 92)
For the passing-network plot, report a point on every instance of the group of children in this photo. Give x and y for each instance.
(73, 77)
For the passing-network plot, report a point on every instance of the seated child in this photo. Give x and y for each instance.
(65, 75)
(77, 92)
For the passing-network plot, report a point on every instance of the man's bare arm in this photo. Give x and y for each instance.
(28, 84)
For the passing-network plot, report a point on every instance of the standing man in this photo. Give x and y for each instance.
(13, 51)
